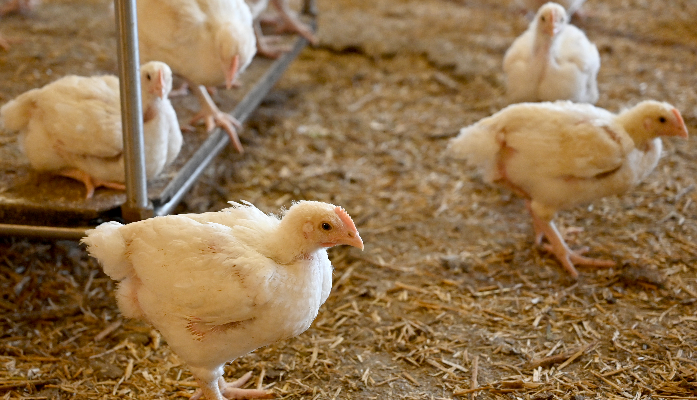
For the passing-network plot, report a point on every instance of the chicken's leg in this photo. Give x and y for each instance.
(212, 116)
(268, 46)
(291, 23)
(567, 257)
(90, 182)
(219, 389)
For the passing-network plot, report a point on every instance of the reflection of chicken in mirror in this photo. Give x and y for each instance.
(73, 127)
(286, 21)
(208, 42)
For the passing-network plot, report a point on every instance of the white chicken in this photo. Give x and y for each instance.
(208, 42)
(72, 127)
(287, 22)
(552, 60)
(562, 154)
(221, 284)
(531, 6)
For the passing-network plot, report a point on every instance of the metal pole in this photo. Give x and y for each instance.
(137, 205)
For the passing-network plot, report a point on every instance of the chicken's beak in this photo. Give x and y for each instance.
(682, 129)
(159, 86)
(355, 240)
(232, 71)
(553, 27)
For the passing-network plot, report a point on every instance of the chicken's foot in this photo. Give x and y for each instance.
(212, 116)
(90, 182)
(269, 46)
(567, 257)
(289, 22)
(230, 390)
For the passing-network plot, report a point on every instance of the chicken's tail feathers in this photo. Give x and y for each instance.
(107, 245)
(478, 146)
(15, 115)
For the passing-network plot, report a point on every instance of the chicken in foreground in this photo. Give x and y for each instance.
(221, 284)
(72, 127)
(552, 60)
(286, 22)
(562, 154)
(208, 42)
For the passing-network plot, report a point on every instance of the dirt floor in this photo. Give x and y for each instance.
(450, 292)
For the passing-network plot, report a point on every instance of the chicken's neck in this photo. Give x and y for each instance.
(288, 244)
(632, 122)
(543, 54)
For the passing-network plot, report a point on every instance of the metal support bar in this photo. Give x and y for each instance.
(137, 205)
(47, 232)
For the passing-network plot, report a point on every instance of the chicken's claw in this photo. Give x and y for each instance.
(290, 23)
(212, 116)
(90, 182)
(232, 390)
(567, 257)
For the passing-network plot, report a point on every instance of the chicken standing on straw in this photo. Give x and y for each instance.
(286, 22)
(559, 155)
(221, 284)
(552, 60)
(73, 127)
(208, 42)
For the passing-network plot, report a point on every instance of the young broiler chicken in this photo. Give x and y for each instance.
(73, 127)
(208, 42)
(221, 284)
(552, 61)
(562, 154)
(287, 22)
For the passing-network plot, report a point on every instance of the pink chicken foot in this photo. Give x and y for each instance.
(556, 246)
(90, 182)
(290, 23)
(212, 117)
(287, 21)
(230, 390)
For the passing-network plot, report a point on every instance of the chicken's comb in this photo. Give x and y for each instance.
(680, 122)
(343, 215)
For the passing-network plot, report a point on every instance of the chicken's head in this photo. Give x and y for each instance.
(156, 79)
(322, 225)
(236, 45)
(551, 19)
(650, 119)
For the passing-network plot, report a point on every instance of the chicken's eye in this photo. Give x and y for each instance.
(148, 76)
(326, 226)
(662, 120)
(542, 18)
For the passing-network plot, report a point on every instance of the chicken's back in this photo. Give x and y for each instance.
(15, 115)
